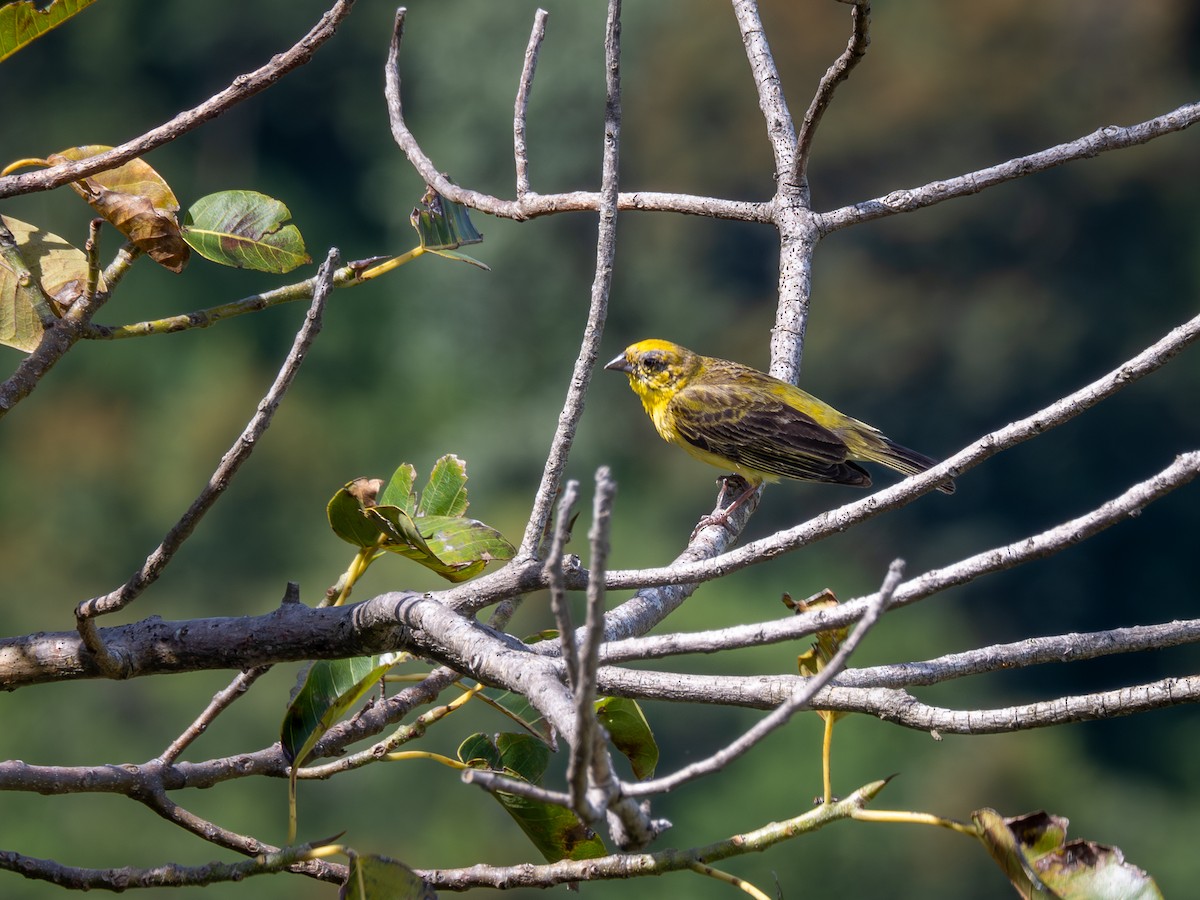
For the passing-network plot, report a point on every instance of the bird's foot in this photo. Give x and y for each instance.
(745, 490)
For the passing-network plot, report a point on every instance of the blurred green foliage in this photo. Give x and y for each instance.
(936, 326)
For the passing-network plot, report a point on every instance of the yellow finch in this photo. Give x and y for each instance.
(736, 417)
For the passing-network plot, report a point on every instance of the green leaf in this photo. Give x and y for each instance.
(446, 492)
(455, 547)
(50, 261)
(379, 878)
(443, 224)
(137, 201)
(246, 230)
(457, 540)
(630, 733)
(462, 257)
(554, 830)
(478, 751)
(400, 490)
(25, 21)
(524, 755)
(345, 512)
(330, 688)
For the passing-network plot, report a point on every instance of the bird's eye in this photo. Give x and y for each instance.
(653, 362)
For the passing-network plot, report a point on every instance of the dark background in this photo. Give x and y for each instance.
(937, 326)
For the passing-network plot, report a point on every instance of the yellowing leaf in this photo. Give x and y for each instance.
(138, 203)
(24, 21)
(1039, 861)
(61, 271)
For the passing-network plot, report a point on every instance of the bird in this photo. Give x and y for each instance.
(735, 417)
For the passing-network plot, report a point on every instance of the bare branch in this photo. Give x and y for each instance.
(520, 151)
(555, 583)
(589, 744)
(855, 50)
(800, 699)
(780, 130)
(998, 657)
(217, 483)
(169, 875)
(1061, 648)
(1103, 140)
(1185, 468)
(899, 706)
(533, 205)
(240, 88)
(153, 646)
(629, 865)
(790, 209)
(606, 249)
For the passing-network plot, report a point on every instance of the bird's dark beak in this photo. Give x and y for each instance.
(620, 364)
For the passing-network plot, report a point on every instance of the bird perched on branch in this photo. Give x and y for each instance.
(764, 429)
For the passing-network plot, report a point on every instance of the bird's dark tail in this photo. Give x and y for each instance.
(910, 462)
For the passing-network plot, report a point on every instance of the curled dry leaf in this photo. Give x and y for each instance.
(136, 201)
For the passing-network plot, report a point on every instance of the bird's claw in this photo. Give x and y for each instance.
(721, 517)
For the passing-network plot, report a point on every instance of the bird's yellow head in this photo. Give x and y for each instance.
(656, 369)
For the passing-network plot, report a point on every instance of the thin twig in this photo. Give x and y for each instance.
(855, 50)
(521, 106)
(801, 699)
(534, 205)
(1103, 140)
(555, 582)
(219, 703)
(240, 88)
(203, 318)
(166, 875)
(588, 744)
(230, 463)
(625, 865)
(593, 332)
